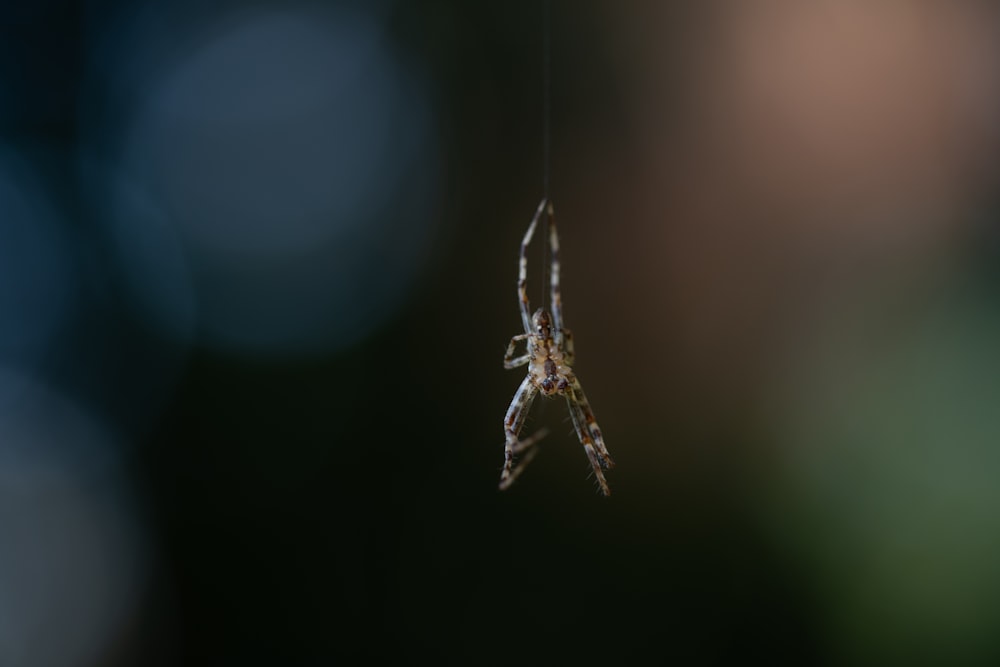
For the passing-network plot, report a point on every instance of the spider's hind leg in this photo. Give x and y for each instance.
(589, 433)
(526, 447)
(513, 423)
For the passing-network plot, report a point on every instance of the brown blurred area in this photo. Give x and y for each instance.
(786, 159)
(787, 246)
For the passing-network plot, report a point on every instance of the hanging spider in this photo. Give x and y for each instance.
(549, 357)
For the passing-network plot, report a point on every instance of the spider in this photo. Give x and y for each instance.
(549, 357)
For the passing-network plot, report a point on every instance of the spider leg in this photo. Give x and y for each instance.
(589, 433)
(587, 442)
(569, 354)
(509, 360)
(591, 421)
(526, 446)
(513, 422)
(556, 294)
(522, 271)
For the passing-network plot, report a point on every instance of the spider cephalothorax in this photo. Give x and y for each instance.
(541, 322)
(549, 357)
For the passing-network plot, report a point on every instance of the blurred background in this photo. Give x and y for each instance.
(257, 275)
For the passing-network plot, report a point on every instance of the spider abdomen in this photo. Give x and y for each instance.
(549, 370)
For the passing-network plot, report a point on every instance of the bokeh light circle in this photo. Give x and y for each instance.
(292, 155)
(72, 562)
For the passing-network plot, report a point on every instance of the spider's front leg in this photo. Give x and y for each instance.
(569, 354)
(554, 286)
(522, 266)
(513, 422)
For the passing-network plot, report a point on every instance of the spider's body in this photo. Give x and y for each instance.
(549, 357)
(548, 366)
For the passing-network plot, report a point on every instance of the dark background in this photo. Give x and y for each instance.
(257, 274)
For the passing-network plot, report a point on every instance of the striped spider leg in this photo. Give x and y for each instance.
(549, 357)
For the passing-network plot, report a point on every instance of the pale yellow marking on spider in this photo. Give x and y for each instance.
(549, 357)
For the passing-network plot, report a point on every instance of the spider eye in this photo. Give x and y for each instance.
(547, 385)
